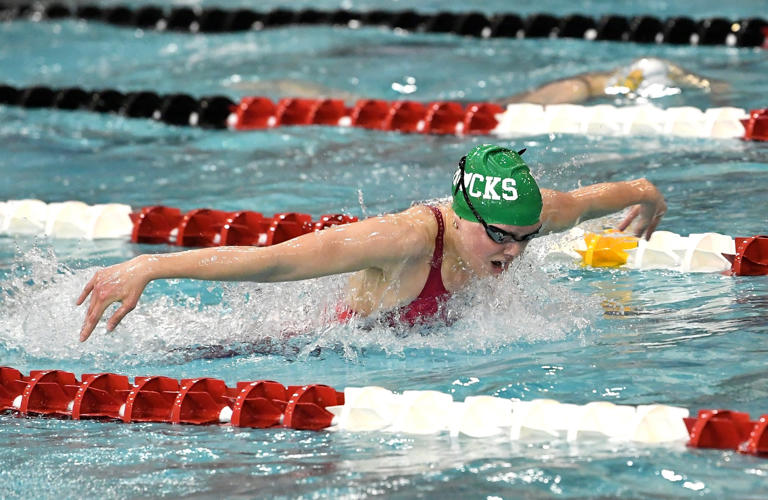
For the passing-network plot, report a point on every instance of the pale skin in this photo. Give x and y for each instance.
(389, 255)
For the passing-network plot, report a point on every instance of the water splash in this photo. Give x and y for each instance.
(178, 321)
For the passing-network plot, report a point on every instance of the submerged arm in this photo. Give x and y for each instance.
(374, 242)
(564, 210)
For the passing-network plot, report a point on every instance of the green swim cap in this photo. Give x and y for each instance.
(499, 186)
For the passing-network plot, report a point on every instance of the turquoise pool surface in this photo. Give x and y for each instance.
(690, 340)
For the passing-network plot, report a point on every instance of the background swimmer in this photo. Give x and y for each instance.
(406, 261)
(645, 78)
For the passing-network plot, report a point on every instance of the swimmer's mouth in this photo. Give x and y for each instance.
(499, 264)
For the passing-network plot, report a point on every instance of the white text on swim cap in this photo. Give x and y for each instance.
(508, 189)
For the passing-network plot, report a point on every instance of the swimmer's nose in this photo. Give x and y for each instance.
(514, 248)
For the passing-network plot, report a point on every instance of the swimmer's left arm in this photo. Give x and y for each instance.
(564, 210)
(574, 89)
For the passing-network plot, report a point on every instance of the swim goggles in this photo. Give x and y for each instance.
(497, 234)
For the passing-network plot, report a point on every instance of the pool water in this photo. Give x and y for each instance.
(690, 340)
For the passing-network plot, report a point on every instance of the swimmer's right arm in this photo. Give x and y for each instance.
(375, 242)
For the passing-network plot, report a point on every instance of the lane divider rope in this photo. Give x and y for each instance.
(269, 404)
(441, 117)
(706, 252)
(681, 30)
(158, 224)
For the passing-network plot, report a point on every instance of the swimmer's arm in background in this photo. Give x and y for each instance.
(562, 211)
(571, 90)
(375, 242)
(718, 89)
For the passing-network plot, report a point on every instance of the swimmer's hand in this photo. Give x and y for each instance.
(646, 215)
(122, 283)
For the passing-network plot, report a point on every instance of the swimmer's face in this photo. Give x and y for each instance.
(488, 258)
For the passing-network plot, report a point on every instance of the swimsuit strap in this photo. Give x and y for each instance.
(427, 303)
(437, 255)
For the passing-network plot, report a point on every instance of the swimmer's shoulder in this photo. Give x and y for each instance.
(418, 226)
(557, 208)
(407, 234)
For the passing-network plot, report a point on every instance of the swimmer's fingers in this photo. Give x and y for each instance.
(631, 216)
(654, 222)
(645, 221)
(652, 227)
(645, 227)
(120, 314)
(86, 291)
(95, 311)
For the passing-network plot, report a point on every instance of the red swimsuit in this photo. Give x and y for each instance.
(427, 304)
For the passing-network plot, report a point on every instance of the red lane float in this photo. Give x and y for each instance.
(245, 228)
(150, 400)
(441, 117)
(201, 228)
(206, 227)
(757, 444)
(49, 392)
(155, 224)
(481, 118)
(756, 126)
(199, 401)
(728, 430)
(259, 404)
(751, 257)
(253, 113)
(306, 407)
(369, 113)
(406, 116)
(444, 118)
(12, 383)
(100, 396)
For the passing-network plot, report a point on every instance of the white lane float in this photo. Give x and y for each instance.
(698, 252)
(695, 253)
(65, 220)
(375, 409)
(605, 119)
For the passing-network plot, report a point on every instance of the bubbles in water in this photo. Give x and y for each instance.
(177, 321)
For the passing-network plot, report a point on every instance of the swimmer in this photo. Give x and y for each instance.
(646, 78)
(405, 263)
(643, 79)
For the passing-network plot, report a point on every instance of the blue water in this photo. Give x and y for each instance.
(696, 341)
